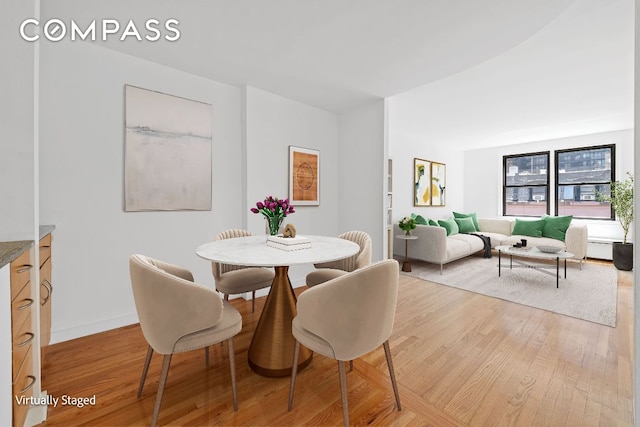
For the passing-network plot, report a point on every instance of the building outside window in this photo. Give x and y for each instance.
(526, 184)
(581, 174)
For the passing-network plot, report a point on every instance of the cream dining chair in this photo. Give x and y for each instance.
(347, 317)
(331, 270)
(237, 279)
(177, 315)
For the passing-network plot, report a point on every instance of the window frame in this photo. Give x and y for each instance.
(505, 186)
(557, 184)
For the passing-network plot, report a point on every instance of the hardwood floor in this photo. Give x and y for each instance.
(461, 359)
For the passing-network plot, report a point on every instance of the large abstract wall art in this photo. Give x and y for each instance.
(167, 156)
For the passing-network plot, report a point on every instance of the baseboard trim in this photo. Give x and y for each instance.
(129, 319)
(92, 328)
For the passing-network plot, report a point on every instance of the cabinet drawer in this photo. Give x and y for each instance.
(21, 308)
(20, 273)
(21, 346)
(46, 292)
(22, 390)
(45, 249)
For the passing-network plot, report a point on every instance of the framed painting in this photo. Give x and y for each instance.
(421, 180)
(167, 155)
(438, 183)
(304, 176)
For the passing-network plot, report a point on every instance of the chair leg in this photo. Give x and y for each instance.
(343, 392)
(294, 372)
(387, 353)
(206, 355)
(145, 369)
(226, 298)
(232, 367)
(350, 365)
(253, 302)
(163, 380)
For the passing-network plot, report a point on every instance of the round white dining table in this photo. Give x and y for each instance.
(271, 349)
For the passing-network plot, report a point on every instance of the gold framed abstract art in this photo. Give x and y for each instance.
(438, 183)
(421, 182)
(304, 176)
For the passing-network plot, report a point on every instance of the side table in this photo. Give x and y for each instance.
(406, 265)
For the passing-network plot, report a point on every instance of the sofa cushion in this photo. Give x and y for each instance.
(555, 227)
(473, 216)
(449, 225)
(496, 225)
(534, 241)
(497, 239)
(419, 219)
(457, 248)
(475, 243)
(434, 223)
(465, 225)
(528, 228)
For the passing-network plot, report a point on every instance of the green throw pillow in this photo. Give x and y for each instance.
(419, 219)
(465, 225)
(449, 225)
(528, 228)
(434, 223)
(473, 216)
(555, 227)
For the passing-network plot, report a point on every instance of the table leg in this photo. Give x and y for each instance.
(499, 259)
(565, 268)
(271, 349)
(557, 272)
(406, 265)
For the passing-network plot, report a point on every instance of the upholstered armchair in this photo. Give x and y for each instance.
(237, 279)
(347, 317)
(177, 315)
(331, 270)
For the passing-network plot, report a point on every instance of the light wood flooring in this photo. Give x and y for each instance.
(461, 359)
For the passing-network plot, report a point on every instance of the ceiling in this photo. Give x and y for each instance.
(459, 66)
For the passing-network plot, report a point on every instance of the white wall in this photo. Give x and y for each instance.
(273, 123)
(82, 143)
(403, 149)
(362, 173)
(483, 173)
(18, 97)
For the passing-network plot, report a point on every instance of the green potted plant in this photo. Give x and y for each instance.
(621, 199)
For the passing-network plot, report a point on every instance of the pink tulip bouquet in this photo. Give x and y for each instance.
(274, 210)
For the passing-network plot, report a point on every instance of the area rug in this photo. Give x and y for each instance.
(590, 293)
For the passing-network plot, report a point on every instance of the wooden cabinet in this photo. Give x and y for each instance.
(46, 291)
(22, 334)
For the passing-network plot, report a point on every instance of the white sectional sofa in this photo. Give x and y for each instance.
(434, 246)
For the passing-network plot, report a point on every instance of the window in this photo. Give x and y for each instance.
(582, 173)
(526, 184)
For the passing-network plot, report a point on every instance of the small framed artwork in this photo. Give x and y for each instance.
(304, 176)
(421, 182)
(439, 183)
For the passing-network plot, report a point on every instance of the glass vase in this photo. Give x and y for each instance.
(273, 224)
(407, 232)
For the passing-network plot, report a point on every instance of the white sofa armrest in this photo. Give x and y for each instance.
(430, 245)
(576, 240)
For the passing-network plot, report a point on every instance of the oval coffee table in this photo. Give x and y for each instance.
(533, 253)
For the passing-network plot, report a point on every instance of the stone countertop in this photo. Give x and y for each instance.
(9, 251)
(46, 229)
